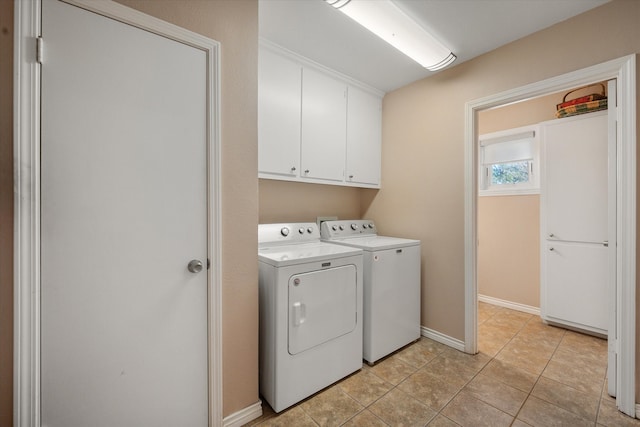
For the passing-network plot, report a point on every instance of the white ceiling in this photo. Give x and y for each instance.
(314, 29)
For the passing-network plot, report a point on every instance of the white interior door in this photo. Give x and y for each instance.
(575, 224)
(576, 170)
(123, 211)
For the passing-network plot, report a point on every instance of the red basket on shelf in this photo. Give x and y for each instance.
(582, 104)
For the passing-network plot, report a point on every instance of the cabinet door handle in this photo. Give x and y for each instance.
(293, 169)
(350, 176)
(306, 171)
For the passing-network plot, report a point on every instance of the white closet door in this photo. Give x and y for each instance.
(577, 285)
(124, 210)
(575, 276)
(575, 168)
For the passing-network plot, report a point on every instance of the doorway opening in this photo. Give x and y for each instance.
(623, 70)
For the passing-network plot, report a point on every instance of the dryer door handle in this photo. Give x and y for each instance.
(299, 313)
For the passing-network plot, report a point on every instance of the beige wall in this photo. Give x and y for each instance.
(509, 248)
(423, 141)
(283, 201)
(523, 113)
(6, 213)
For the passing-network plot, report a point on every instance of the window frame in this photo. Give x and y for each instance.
(485, 188)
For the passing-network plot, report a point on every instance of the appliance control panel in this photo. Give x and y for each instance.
(347, 228)
(288, 233)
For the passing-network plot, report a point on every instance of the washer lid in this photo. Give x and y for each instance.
(283, 255)
(376, 243)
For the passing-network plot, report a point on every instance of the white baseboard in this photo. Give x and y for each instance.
(442, 338)
(243, 416)
(637, 409)
(508, 304)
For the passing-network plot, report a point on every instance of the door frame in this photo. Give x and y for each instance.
(27, 90)
(624, 70)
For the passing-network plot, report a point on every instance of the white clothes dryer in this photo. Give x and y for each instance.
(391, 285)
(310, 312)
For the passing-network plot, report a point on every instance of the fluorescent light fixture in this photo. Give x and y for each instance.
(387, 21)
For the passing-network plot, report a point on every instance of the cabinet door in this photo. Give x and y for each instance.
(279, 106)
(575, 178)
(364, 127)
(324, 123)
(576, 285)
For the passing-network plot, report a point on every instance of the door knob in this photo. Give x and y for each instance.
(195, 266)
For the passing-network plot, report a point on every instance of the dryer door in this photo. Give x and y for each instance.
(322, 307)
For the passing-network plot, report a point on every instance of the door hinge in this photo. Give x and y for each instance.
(39, 50)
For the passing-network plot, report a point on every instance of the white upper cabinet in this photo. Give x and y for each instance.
(279, 106)
(324, 126)
(316, 125)
(364, 137)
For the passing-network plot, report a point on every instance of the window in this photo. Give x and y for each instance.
(509, 162)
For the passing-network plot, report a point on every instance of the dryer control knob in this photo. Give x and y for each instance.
(341, 227)
(334, 227)
(284, 231)
(310, 230)
(301, 230)
(354, 226)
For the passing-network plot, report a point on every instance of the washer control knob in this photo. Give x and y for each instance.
(284, 231)
(334, 227)
(354, 226)
(341, 227)
(310, 230)
(301, 230)
(370, 225)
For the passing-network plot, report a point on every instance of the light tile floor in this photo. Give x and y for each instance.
(525, 374)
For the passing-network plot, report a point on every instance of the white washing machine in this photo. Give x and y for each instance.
(310, 312)
(391, 285)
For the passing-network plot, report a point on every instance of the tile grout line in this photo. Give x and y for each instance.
(515, 417)
(529, 394)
